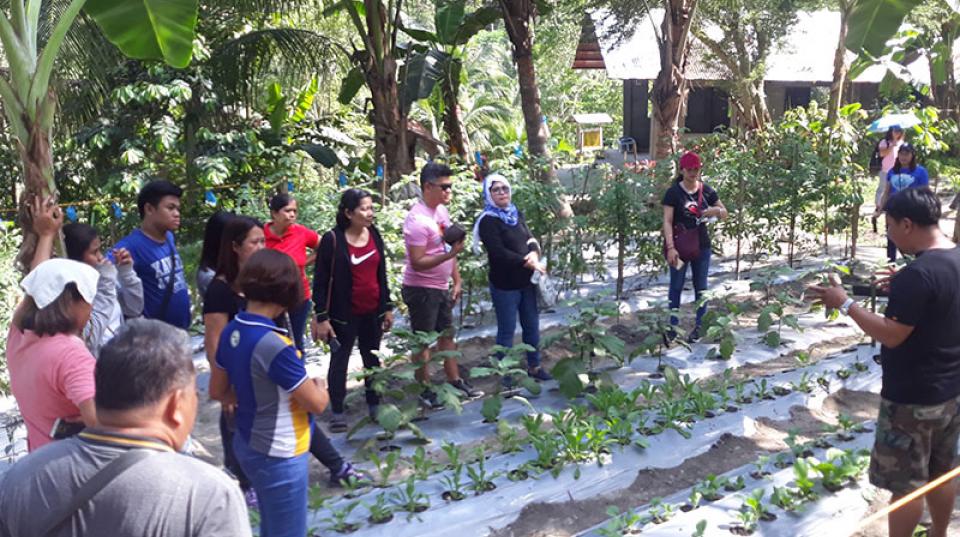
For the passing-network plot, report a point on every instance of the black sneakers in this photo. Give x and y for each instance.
(469, 391)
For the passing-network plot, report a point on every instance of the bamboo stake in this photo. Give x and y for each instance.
(909, 497)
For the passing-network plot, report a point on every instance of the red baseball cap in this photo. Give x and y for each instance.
(690, 160)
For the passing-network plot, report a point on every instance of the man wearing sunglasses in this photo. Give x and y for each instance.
(430, 265)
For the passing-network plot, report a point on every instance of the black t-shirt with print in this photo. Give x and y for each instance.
(925, 368)
(685, 210)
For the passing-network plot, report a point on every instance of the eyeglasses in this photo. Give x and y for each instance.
(500, 190)
(445, 186)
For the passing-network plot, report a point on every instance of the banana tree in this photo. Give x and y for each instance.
(142, 29)
(453, 28)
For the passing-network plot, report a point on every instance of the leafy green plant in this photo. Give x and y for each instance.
(760, 467)
(337, 521)
(803, 475)
(740, 391)
(786, 498)
(423, 465)
(481, 480)
(588, 338)
(700, 529)
(621, 524)
(804, 384)
(453, 452)
(505, 363)
(693, 501)
(710, 487)
(775, 312)
(748, 520)
(453, 485)
(844, 374)
(847, 427)
(734, 485)
(761, 390)
(841, 467)
(754, 503)
(385, 467)
(408, 498)
(783, 460)
(660, 512)
(509, 438)
(380, 511)
(860, 367)
(721, 327)
(548, 448)
(797, 448)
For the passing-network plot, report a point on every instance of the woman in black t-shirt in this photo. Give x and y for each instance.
(688, 203)
(352, 297)
(514, 257)
(242, 237)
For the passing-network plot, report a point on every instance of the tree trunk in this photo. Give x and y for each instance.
(457, 141)
(518, 16)
(389, 122)
(670, 89)
(839, 69)
(37, 159)
(854, 230)
(949, 32)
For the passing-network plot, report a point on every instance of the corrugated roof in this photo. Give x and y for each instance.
(805, 54)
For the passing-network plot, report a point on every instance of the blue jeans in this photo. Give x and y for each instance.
(508, 304)
(298, 322)
(700, 268)
(281, 486)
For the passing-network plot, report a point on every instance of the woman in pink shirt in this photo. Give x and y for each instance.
(283, 233)
(51, 369)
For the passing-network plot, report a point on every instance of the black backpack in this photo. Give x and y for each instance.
(876, 161)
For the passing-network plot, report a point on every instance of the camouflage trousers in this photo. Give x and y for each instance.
(914, 444)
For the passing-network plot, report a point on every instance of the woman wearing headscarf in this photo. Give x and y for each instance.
(51, 369)
(514, 256)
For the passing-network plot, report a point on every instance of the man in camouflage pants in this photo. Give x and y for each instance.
(919, 419)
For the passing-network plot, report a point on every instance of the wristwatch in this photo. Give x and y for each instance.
(845, 307)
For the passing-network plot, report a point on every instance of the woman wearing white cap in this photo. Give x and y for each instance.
(51, 370)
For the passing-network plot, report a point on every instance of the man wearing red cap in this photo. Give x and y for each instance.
(687, 205)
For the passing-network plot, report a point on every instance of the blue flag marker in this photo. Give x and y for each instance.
(517, 151)
(71, 213)
(379, 171)
(478, 158)
(342, 180)
(117, 211)
(290, 186)
(210, 198)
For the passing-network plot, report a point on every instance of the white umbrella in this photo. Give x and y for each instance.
(903, 121)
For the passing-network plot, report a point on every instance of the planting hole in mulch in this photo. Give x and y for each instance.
(453, 495)
(740, 530)
(517, 475)
(767, 516)
(732, 409)
(390, 447)
(381, 520)
(686, 508)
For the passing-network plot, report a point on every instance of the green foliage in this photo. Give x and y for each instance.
(149, 29)
(588, 338)
(620, 524)
(9, 292)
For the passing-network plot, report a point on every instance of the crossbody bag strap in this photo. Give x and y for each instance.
(94, 485)
(168, 292)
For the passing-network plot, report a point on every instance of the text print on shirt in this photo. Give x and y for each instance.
(164, 270)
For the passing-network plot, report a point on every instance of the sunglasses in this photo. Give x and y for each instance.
(500, 190)
(447, 187)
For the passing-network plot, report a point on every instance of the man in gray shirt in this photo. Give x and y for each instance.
(146, 405)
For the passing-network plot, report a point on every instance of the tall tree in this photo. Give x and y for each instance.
(152, 29)
(518, 18)
(840, 67)
(670, 89)
(746, 31)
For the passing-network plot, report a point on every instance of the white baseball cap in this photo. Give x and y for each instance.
(47, 281)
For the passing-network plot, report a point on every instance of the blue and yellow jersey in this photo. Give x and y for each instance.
(264, 367)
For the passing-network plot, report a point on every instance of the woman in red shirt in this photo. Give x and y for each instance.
(353, 300)
(284, 234)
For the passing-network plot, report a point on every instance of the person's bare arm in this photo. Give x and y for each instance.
(420, 261)
(716, 210)
(47, 221)
(887, 331)
(673, 257)
(88, 413)
(213, 325)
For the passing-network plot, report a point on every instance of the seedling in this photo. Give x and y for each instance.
(547, 446)
(621, 524)
(805, 384)
(841, 467)
(823, 380)
(509, 438)
(741, 395)
(783, 460)
(761, 390)
(786, 498)
(861, 366)
(408, 498)
(803, 477)
(803, 359)
(755, 503)
(385, 467)
(519, 473)
(797, 448)
(700, 529)
(781, 391)
(337, 521)
(453, 487)
(453, 454)
(848, 427)
(760, 465)
(380, 510)
(660, 512)
(710, 487)
(747, 519)
(423, 465)
(481, 481)
(737, 484)
(844, 374)
(693, 501)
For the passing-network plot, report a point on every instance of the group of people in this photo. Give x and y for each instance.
(81, 315)
(118, 392)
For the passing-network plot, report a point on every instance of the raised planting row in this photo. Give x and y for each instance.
(801, 495)
(590, 451)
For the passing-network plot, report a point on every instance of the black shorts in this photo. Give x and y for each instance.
(431, 310)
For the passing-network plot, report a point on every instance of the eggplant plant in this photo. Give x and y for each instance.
(721, 326)
(588, 338)
(776, 312)
(505, 363)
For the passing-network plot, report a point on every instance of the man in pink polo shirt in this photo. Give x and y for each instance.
(426, 276)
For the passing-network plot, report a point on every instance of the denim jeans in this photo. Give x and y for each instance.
(508, 304)
(700, 267)
(298, 322)
(228, 429)
(323, 450)
(281, 486)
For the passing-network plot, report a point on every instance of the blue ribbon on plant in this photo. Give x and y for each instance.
(71, 213)
(210, 198)
(379, 171)
(478, 158)
(517, 150)
(290, 186)
(117, 211)
(342, 179)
